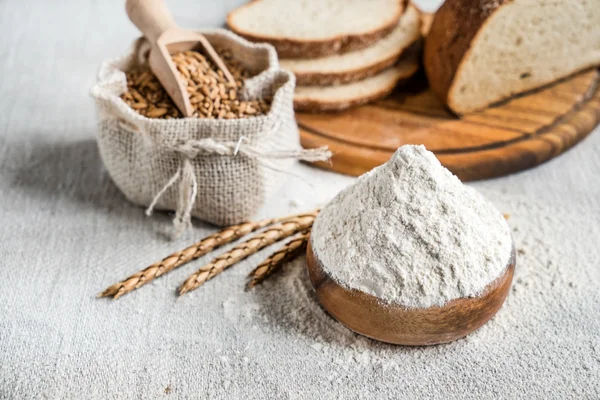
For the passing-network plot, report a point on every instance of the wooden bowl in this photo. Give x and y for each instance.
(369, 316)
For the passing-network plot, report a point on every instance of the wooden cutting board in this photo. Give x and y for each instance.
(511, 137)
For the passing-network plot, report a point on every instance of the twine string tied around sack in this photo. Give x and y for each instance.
(185, 174)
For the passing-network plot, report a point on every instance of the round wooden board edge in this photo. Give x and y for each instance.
(484, 163)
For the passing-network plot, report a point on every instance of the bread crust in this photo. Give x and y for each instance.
(453, 29)
(360, 73)
(297, 48)
(313, 105)
(332, 79)
(329, 79)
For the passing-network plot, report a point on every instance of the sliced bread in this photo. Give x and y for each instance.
(316, 28)
(480, 52)
(333, 98)
(359, 64)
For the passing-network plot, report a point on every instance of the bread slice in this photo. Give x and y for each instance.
(480, 52)
(316, 28)
(335, 98)
(359, 64)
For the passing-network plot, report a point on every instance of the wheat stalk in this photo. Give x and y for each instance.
(287, 253)
(190, 253)
(271, 235)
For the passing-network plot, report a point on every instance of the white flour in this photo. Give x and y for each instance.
(58, 341)
(410, 233)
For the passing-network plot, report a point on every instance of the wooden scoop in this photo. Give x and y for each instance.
(154, 20)
(369, 316)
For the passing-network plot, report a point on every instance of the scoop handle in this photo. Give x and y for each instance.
(152, 17)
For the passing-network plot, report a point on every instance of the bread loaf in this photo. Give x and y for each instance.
(480, 52)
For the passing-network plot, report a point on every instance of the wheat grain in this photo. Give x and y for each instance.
(211, 94)
(288, 252)
(190, 253)
(179, 258)
(263, 239)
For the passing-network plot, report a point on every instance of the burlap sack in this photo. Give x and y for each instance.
(220, 171)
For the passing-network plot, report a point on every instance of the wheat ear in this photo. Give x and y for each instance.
(261, 240)
(287, 253)
(190, 253)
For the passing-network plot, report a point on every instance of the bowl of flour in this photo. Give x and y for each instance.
(410, 255)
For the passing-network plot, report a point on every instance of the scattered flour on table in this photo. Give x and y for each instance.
(410, 233)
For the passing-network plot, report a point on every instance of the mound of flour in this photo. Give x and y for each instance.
(410, 233)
